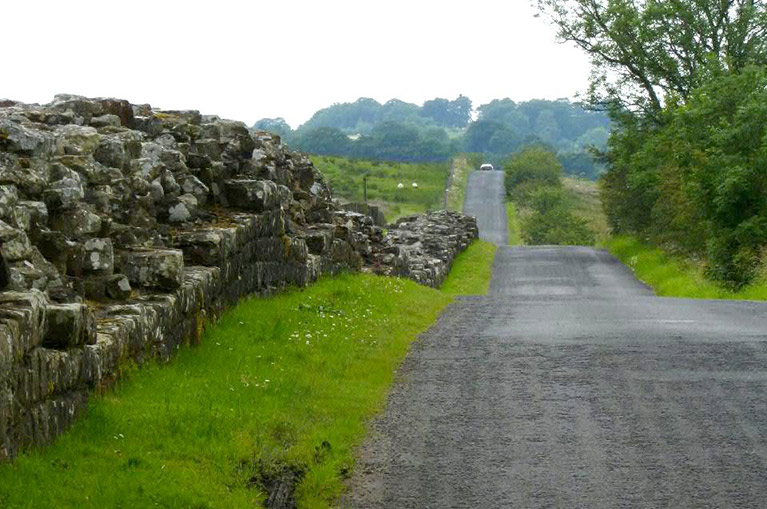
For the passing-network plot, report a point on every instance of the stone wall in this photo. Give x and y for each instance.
(423, 247)
(125, 229)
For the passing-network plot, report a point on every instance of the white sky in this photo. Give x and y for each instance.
(247, 60)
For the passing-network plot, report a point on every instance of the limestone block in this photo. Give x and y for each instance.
(93, 256)
(64, 194)
(76, 223)
(14, 243)
(255, 195)
(69, 325)
(205, 247)
(319, 241)
(76, 140)
(115, 287)
(23, 315)
(19, 139)
(107, 120)
(160, 269)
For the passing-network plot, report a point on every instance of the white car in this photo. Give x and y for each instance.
(487, 167)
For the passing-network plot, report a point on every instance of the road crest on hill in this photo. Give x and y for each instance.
(572, 385)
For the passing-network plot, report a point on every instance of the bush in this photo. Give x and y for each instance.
(532, 167)
(698, 181)
(557, 226)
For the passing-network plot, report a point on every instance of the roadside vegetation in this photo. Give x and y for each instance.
(678, 276)
(278, 393)
(545, 208)
(512, 223)
(383, 178)
(462, 166)
(685, 84)
(471, 271)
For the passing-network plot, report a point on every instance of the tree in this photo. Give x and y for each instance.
(323, 141)
(456, 113)
(533, 167)
(646, 50)
(274, 125)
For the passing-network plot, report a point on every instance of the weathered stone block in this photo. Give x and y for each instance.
(161, 269)
(115, 287)
(14, 243)
(63, 194)
(94, 256)
(202, 247)
(69, 325)
(19, 139)
(107, 120)
(319, 241)
(255, 195)
(23, 314)
(76, 223)
(75, 140)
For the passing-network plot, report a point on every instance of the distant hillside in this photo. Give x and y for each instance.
(440, 128)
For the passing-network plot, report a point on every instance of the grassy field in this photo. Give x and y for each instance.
(279, 388)
(673, 276)
(346, 178)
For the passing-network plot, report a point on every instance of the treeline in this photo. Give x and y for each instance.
(441, 128)
(686, 84)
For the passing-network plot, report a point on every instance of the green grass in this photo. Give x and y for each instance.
(346, 178)
(673, 276)
(463, 165)
(471, 272)
(512, 223)
(287, 382)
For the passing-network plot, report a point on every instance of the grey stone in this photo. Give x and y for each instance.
(255, 195)
(69, 325)
(63, 194)
(76, 140)
(107, 120)
(178, 212)
(19, 139)
(118, 287)
(161, 269)
(93, 256)
(192, 185)
(76, 223)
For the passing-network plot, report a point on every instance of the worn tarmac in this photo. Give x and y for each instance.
(571, 385)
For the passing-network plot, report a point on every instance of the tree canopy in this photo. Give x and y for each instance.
(644, 51)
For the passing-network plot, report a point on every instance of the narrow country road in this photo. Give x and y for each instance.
(572, 385)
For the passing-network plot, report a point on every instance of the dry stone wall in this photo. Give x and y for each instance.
(423, 247)
(124, 229)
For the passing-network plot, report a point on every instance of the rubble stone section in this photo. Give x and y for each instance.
(125, 229)
(423, 247)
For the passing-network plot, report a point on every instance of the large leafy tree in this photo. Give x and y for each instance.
(646, 50)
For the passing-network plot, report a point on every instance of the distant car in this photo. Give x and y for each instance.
(487, 167)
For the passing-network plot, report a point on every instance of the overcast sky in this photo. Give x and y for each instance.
(247, 60)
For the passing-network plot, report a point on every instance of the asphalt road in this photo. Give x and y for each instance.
(571, 385)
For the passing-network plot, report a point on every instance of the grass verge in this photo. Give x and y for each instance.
(471, 272)
(463, 165)
(672, 276)
(279, 391)
(512, 223)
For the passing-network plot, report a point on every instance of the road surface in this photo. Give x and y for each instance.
(571, 385)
